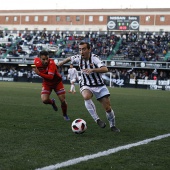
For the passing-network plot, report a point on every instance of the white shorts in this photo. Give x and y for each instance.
(99, 92)
(72, 80)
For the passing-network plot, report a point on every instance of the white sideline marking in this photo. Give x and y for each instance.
(99, 154)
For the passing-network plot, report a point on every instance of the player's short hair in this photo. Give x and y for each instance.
(88, 45)
(45, 53)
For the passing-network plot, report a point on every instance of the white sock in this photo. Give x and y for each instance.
(91, 109)
(111, 118)
(71, 89)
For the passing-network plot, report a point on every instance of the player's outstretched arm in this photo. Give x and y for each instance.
(66, 60)
(47, 76)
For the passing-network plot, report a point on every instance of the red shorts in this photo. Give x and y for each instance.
(47, 89)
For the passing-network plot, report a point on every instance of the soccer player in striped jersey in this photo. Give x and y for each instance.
(91, 83)
(52, 80)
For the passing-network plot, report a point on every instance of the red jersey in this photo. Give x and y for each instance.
(49, 73)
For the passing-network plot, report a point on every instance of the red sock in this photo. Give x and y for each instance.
(50, 101)
(64, 108)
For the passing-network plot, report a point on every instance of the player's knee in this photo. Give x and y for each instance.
(62, 100)
(86, 96)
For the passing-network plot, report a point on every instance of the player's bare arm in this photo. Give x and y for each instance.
(47, 76)
(64, 61)
(97, 70)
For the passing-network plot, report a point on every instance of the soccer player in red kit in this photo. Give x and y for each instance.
(52, 80)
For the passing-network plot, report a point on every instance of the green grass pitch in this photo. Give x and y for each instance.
(32, 135)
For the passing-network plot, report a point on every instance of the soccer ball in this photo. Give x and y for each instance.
(78, 126)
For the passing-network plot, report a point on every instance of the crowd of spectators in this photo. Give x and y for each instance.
(134, 46)
(144, 46)
(130, 46)
(31, 43)
(152, 74)
(15, 72)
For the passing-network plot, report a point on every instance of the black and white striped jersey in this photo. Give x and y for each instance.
(93, 79)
